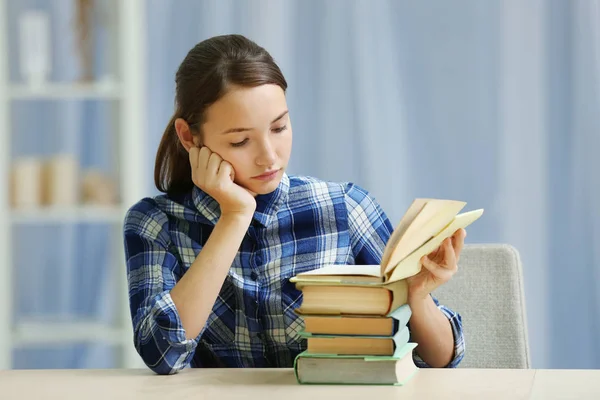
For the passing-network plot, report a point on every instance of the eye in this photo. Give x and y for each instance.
(279, 130)
(240, 144)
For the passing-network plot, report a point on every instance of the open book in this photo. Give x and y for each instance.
(422, 229)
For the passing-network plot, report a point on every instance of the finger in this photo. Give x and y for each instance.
(434, 253)
(458, 241)
(214, 162)
(203, 158)
(436, 270)
(194, 154)
(449, 255)
(226, 171)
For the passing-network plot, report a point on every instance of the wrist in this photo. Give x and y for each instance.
(243, 217)
(418, 302)
(417, 293)
(237, 211)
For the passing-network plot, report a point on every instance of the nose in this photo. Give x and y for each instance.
(267, 155)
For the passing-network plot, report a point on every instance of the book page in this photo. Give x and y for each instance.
(434, 216)
(409, 216)
(354, 275)
(341, 269)
(411, 265)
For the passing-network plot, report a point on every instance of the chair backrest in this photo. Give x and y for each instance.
(487, 292)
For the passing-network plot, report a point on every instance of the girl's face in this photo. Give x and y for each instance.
(250, 128)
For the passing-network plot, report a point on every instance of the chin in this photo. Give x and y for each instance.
(266, 188)
(263, 187)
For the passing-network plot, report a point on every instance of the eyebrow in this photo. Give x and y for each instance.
(232, 130)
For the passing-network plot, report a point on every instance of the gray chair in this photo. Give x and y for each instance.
(487, 291)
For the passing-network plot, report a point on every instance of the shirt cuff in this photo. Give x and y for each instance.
(167, 320)
(459, 341)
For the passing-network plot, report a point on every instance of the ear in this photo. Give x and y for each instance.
(184, 133)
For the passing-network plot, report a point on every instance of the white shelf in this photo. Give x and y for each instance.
(65, 91)
(125, 89)
(82, 214)
(6, 273)
(42, 332)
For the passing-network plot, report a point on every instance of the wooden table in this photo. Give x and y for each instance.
(220, 384)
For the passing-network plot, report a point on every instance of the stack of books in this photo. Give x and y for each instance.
(356, 316)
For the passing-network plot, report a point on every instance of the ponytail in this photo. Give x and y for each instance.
(172, 171)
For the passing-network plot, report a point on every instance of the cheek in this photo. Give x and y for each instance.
(284, 145)
(241, 162)
(227, 153)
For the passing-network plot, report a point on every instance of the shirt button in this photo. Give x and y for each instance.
(258, 259)
(253, 276)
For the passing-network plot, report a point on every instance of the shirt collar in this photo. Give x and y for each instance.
(267, 205)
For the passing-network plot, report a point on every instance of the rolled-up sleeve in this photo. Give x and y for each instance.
(152, 271)
(457, 332)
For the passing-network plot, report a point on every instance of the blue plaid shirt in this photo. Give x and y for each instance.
(304, 224)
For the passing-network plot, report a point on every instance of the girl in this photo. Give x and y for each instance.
(209, 261)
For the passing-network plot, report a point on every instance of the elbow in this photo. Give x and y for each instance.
(165, 361)
(162, 369)
(160, 366)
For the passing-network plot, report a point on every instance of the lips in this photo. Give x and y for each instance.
(267, 174)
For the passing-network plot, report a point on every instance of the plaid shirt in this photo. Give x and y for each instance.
(304, 224)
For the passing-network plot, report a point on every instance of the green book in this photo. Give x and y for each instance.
(396, 369)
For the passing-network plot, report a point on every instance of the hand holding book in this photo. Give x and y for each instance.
(439, 267)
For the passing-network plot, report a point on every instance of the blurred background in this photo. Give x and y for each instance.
(495, 102)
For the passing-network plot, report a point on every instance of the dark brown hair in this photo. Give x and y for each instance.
(203, 78)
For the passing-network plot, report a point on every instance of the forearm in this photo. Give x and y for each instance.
(195, 293)
(431, 329)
